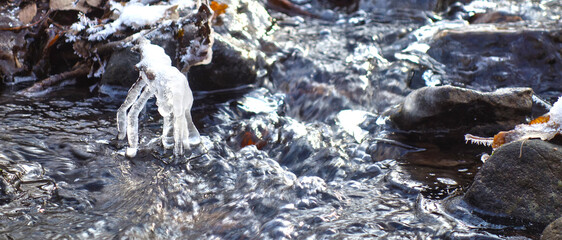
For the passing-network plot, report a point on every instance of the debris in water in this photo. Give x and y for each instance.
(545, 127)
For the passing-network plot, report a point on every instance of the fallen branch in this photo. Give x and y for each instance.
(79, 70)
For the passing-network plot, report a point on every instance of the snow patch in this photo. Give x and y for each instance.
(556, 111)
(135, 15)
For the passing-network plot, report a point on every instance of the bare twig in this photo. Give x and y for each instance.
(106, 48)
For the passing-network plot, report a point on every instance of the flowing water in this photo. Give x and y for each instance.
(308, 153)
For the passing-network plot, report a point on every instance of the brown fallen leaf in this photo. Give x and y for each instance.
(69, 5)
(27, 13)
(94, 3)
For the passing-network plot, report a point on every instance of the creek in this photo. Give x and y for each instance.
(305, 153)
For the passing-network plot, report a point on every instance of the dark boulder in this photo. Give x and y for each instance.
(238, 34)
(493, 58)
(229, 68)
(553, 231)
(120, 70)
(521, 181)
(449, 108)
(429, 5)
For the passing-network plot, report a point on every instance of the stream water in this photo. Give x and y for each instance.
(305, 154)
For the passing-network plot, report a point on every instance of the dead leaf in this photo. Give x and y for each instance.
(94, 3)
(218, 8)
(27, 13)
(69, 5)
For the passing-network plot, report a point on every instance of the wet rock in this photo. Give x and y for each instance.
(231, 67)
(120, 69)
(492, 58)
(494, 17)
(521, 181)
(432, 5)
(553, 231)
(458, 109)
(239, 33)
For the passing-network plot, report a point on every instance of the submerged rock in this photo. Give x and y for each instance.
(521, 181)
(553, 231)
(487, 57)
(452, 108)
(240, 31)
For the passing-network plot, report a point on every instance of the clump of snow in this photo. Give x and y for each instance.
(135, 15)
(556, 111)
(197, 53)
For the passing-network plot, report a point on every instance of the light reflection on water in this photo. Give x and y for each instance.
(70, 181)
(321, 161)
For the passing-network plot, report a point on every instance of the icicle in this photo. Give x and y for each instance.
(478, 140)
(541, 102)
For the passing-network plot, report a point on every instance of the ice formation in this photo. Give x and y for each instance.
(157, 77)
(545, 127)
(173, 96)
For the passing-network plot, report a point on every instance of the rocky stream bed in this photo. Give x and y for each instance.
(319, 119)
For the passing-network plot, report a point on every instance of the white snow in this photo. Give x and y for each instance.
(556, 111)
(135, 15)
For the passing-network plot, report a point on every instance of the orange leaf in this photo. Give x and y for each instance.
(499, 139)
(218, 8)
(541, 119)
(248, 139)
